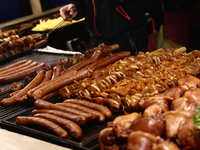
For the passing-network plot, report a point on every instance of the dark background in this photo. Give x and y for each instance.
(13, 9)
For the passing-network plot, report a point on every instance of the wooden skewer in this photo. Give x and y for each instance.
(113, 47)
(40, 43)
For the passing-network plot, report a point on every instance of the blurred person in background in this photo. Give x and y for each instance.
(111, 22)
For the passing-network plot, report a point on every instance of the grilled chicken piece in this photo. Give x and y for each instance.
(142, 141)
(189, 80)
(165, 145)
(176, 92)
(173, 120)
(148, 125)
(188, 135)
(193, 95)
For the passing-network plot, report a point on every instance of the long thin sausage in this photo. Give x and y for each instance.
(20, 69)
(12, 100)
(100, 116)
(41, 104)
(30, 93)
(109, 60)
(48, 76)
(22, 99)
(16, 67)
(14, 93)
(59, 82)
(50, 95)
(43, 123)
(21, 74)
(71, 127)
(97, 54)
(13, 65)
(101, 108)
(79, 119)
(56, 72)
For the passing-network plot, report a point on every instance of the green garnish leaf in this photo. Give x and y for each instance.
(196, 117)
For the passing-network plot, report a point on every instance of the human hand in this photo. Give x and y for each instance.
(68, 12)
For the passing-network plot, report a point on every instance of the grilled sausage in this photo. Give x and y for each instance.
(13, 65)
(101, 108)
(41, 122)
(59, 82)
(20, 75)
(84, 63)
(106, 61)
(50, 95)
(79, 119)
(32, 64)
(12, 100)
(16, 67)
(73, 128)
(48, 76)
(41, 104)
(100, 116)
(56, 72)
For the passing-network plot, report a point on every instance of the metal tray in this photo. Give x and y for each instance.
(89, 139)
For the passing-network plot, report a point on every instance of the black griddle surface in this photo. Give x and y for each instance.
(89, 139)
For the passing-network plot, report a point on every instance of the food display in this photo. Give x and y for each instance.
(167, 120)
(48, 24)
(68, 118)
(122, 84)
(94, 85)
(112, 99)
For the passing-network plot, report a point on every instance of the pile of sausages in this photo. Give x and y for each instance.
(25, 95)
(19, 70)
(66, 117)
(42, 85)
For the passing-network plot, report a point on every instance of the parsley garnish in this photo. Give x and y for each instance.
(196, 117)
